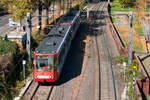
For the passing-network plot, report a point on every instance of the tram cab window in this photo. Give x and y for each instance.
(44, 62)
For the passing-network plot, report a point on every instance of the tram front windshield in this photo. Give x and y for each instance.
(44, 62)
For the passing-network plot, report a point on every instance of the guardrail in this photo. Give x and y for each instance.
(142, 85)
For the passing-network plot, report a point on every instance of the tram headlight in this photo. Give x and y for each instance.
(39, 76)
(51, 77)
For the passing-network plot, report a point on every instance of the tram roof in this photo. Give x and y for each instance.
(53, 40)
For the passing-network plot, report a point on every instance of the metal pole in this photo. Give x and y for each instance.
(24, 76)
(133, 83)
(130, 38)
(87, 13)
(130, 41)
(28, 43)
(124, 65)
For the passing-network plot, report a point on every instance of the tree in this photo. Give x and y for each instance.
(39, 4)
(4, 5)
(67, 6)
(140, 8)
(126, 3)
(60, 7)
(19, 8)
(47, 4)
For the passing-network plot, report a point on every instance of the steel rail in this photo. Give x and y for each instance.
(97, 9)
(112, 73)
(34, 92)
(49, 95)
(99, 98)
(38, 89)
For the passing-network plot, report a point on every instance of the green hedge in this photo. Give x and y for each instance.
(7, 47)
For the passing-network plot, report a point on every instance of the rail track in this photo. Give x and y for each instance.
(107, 90)
(37, 91)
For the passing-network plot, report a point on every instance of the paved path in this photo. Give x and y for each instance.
(4, 19)
(4, 27)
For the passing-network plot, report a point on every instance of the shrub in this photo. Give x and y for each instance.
(10, 68)
(7, 47)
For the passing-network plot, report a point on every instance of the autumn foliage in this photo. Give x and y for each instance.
(140, 7)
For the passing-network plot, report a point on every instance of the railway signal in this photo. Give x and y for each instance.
(134, 65)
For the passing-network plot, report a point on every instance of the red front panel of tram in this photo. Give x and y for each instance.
(43, 70)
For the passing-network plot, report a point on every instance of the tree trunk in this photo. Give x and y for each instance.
(47, 16)
(59, 7)
(63, 6)
(67, 5)
(70, 4)
(53, 14)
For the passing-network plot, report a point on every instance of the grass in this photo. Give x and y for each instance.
(113, 18)
(120, 9)
(128, 74)
(137, 26)
(116, 6)
(148, 97)
(120, 59)
(137, 45)
(139, 30)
